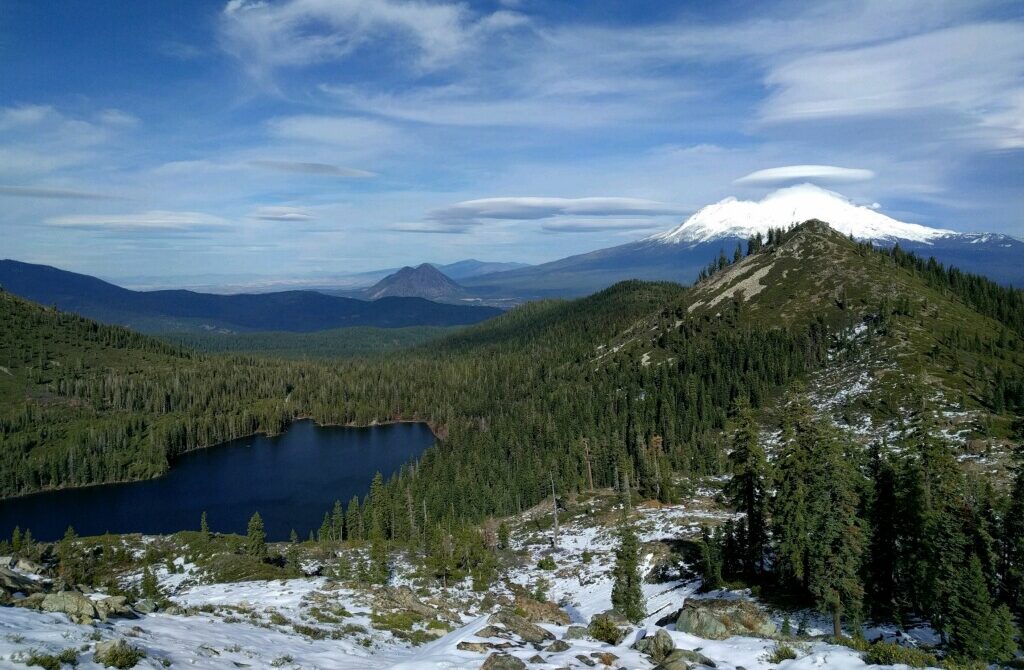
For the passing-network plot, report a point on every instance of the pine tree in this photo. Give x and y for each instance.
(69, 560)
(836, 543)
(1013, 538)
(747, 488)
(710, 560)
(504, 535)
(627, 595)
(16, 540)
(976, 629)
(149, 586)
(791, 517)
(379, 571)
(256, 538)
(204, 527)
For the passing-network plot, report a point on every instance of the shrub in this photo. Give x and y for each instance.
(890, 653)
(122, 656)
(45, 661)
(547, 563)
(603, 629)
(781, 652)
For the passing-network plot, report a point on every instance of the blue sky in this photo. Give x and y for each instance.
(293, 137)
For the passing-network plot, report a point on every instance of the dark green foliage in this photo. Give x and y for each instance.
(1013, 538)
(890, 653)
(256, 538)
(547, 563)
(711, 562)
(977, 630)
(627, 594)
(747, 488)
(123, 656)
(149, 586)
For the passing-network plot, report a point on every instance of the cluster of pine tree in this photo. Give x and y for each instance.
(898, 534)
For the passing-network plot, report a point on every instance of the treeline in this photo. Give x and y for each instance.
(900, 534)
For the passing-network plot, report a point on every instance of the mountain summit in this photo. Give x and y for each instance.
(422, 281)
(733, 218)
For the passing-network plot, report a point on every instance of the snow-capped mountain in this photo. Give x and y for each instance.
(732, 218)
(679, 254)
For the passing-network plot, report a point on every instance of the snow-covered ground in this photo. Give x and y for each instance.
(260, 624)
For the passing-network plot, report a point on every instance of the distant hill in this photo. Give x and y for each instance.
(179, 310)
(422, 281)
(473, 268)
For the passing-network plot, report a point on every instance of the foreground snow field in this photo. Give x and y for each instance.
(273, 624)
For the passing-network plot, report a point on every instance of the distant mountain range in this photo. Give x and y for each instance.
(679, 254)
(422, 281)
(179, 310)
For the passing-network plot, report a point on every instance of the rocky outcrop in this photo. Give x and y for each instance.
(77, 606)
(716, 619)
(403, 598)
(529, 632)
(113, 606)
(12, 582)
(536, 611)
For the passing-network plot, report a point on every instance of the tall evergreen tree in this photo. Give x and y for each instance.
(1013, 538)
(837, 539)
(748, 487)
(256, 537)
(791, 516)
(627, 594)
(977, 630)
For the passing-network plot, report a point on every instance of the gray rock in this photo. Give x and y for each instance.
(12, 582)
(536, 658)
(717, 619)
(32, 602)
(113, 606)
(536, 611)
(30, 567)
(692, 657)
(403, 597)
(527, 631)
(146, 606)
(586, 661)
(575, 633)
(75, 605)
(499, 661)
(558, 646)
(677, 664)
(657, 646)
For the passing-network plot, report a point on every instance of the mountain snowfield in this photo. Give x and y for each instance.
(789, 206)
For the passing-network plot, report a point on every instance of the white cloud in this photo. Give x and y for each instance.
(816, 173)
(534, 208)
(116, 117)
(156, 220)
(52, 193)
(323, 169)
(265, 35)
(974, 71)
(350, 132)
(281, 213)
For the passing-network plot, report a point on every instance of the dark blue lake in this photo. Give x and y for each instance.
(291, 479)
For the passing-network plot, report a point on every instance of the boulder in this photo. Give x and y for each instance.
(558, 646)
(717, 619)
(498, 661)
(493, 631)
(536, 611)
(32, 602)
(673, 664)
(31, 567)
(657, 646)
(11, 582)
(529, 632)
(478, 647)
(146, 606)
(692, 657)
(586, 661)
(575, 633)
(72, 603)
(113, 606)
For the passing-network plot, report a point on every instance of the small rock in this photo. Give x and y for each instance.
(558, 646)
(693, 657)
(113, 606)
(492, 631)
(478, 647)
(586, 661)
(498, 661)
(527, 631)
(536, 658)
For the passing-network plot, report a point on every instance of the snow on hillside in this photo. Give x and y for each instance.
(256, 624)
(788, 206)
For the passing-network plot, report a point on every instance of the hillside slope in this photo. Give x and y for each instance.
(422, 281)
(179, 310)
